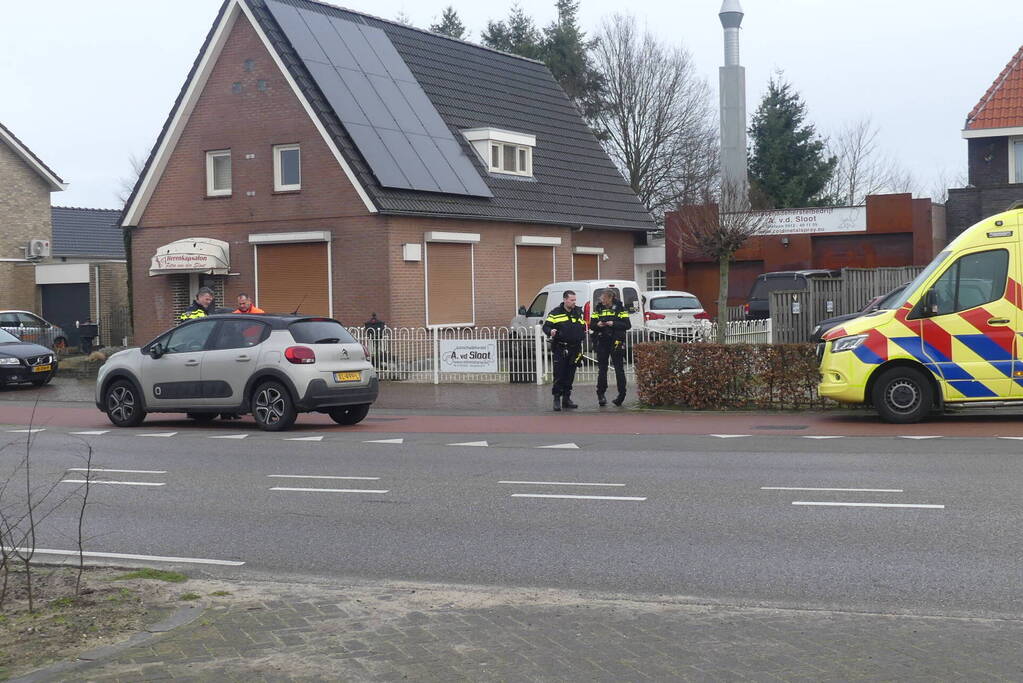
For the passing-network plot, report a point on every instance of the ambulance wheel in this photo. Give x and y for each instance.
(902, 395)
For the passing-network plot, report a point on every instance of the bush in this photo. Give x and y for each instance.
(713, 376)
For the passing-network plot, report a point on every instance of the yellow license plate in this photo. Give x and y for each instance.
(42, 368)
(347, 376)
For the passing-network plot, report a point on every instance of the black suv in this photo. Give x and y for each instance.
(757, 304)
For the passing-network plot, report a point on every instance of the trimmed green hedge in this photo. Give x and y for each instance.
(713, 376)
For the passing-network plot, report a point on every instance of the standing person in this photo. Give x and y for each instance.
(609, 323)
(202, 306)
(245, 305)
(566, 328)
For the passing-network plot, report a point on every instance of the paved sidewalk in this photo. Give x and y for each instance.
(279, 632)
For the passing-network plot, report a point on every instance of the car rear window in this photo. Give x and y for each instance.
(320, 332)
(671, 303)
(763, 286)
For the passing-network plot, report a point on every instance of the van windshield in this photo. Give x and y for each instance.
(912, 287)
(765, 285)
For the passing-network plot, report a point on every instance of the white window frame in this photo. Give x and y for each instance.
(1013, 143)
(278, 185)
(661, 280)
(212, 191)
(486, 140)
(503, 147)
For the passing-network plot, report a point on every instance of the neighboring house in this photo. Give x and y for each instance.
(338, 164)
(994, 140)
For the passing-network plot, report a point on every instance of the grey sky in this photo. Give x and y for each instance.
(88, 84)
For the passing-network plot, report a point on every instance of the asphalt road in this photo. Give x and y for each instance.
(713, 518)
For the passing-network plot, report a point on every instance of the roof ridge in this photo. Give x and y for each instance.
(427, 32)
(29, 151)
(999, 81)
(85, 208)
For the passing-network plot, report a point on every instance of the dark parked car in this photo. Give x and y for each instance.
(757, 303)
(878, 303)
(22, 362)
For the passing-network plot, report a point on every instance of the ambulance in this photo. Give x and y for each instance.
(951, 339)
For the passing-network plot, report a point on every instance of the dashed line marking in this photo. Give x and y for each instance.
(557, 495)
(108, 481)
(161, 435)
(823, 437)
(560, 445)
(102, 469)
(95, 432)
(821, 488)
(729, 436)
(34, 430)
(128, 556)
(394, 441)
(318, 476)
(481, 444)
(1014, 438)
(305, 438)
(918, 438)
(230, 436)
(870, 505)
(286, 488)
(558, 483)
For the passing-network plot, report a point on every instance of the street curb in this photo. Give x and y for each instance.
(181, 617)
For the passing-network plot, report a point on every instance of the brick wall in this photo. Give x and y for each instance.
(988, 161)
(968, 205)
(24, 215)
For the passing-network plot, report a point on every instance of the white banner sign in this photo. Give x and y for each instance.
(814, 220)
(476, 355)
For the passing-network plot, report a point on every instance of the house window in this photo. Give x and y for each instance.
(1016, 160)
(287, 168)
(656, 280)
(218, 173)
(503, 151)
(512, 159)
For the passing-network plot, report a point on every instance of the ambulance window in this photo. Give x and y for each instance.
(971, 281)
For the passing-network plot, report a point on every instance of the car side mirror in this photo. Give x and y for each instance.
(522, 310)
(930, 303)
(157, 350)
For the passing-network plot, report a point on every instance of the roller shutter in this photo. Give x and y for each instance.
(535, 269)
(584, 266)
(449, 283)
(293, 276)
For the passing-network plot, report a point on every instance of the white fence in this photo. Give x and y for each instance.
(500, 354)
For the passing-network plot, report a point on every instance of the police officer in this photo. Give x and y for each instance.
(608, 323)
(202, 306)
(566, 328)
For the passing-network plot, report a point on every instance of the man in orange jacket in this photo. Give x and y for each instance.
(245, 305)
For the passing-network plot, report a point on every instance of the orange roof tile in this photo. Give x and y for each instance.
(1002, 104)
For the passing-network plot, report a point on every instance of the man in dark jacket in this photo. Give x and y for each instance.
(566, 328)
(609, 323)
(202, 306)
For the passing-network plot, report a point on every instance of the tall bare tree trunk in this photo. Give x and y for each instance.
(722, 299)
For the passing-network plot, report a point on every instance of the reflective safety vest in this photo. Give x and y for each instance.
(616, 315)
(571, 325)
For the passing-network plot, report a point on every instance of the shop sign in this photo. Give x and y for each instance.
(478, 355)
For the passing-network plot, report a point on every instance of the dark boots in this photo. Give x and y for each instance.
(557, 404)
(566, 402)
(619, 400)
(601, 399)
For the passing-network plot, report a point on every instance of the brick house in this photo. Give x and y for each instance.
(328, 160)
(994, 140)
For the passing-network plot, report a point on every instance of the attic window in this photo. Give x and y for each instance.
(503, 151)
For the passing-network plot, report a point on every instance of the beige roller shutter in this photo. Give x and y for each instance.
(584, 266)
(449, 283)
(535, 269)
(293, 275)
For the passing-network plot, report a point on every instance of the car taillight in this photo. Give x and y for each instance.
(702, 315)
(650, 315)
(299, 354)
(745, 309)
(586, 312)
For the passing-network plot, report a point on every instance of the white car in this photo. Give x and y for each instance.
(675, 313)
(587, 295)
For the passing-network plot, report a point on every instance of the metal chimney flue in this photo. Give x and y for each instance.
(732, 79)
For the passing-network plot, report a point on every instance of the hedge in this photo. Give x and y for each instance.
(713, 376)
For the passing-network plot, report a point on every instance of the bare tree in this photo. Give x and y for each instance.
(943, 181)
(863, 169)
(705, 231)
(128, 182)
(657, 125)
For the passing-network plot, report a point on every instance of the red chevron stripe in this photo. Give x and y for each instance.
(834, 334)
(935, 335)
(878, 343)
(1014, 293)
(1002, 335)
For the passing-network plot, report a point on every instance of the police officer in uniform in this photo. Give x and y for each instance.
(202, 306)
(566, 328)
(608, 323)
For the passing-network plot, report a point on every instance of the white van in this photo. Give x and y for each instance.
(587, 295)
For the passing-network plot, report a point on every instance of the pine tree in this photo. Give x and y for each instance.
(450, 24)
(517, 35)
(567, 54)
(788, 161)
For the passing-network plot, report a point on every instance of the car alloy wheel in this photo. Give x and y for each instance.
(272, 407)
(123, 407)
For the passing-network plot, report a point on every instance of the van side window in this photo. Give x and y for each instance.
(538, 308)
(972, 280)
(631, 297)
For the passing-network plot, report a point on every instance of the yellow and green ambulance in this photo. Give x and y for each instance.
(953, 338)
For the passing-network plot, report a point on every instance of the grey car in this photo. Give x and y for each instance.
(272, 366)
(29, 327)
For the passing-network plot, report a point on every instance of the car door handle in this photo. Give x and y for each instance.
(191, 363)
(998, 321)
(242, 358)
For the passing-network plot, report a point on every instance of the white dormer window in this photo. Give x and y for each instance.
(503, 151)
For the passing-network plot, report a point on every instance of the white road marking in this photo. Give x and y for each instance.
(27, 431)
(730, 436)
(386, 441)
(871, 505)
(482, 444)
(230, 436)
(318, 476)
(920, 437)
(1014, 438)
(107, 481)
(555, 495)
(93, 433)
(812, 488)
(163, 435)
(558, 483)
(305, 438)
(101, 469)
(126, 556)
(284, 488)
(823, 437)
(560, 445)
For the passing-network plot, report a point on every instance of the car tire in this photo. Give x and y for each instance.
(272, 407)
(349, 415)
(902, 395)
(123, 404)
(42, 380)
(202, 417)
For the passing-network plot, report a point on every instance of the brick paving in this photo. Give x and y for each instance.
(298, 632)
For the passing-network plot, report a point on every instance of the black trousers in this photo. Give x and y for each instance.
(608, 350)
(565, 356)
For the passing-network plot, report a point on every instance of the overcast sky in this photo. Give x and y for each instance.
(88, 84)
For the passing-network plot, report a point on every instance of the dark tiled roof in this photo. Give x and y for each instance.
(574, 182)
(87, 232)
(1002, 104)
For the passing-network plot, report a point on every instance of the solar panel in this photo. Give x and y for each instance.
(396, 128)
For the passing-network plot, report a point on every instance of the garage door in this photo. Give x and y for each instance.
(449, 284)
(535, 270)
(64, 305)
(584, 266)
(293, 277)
